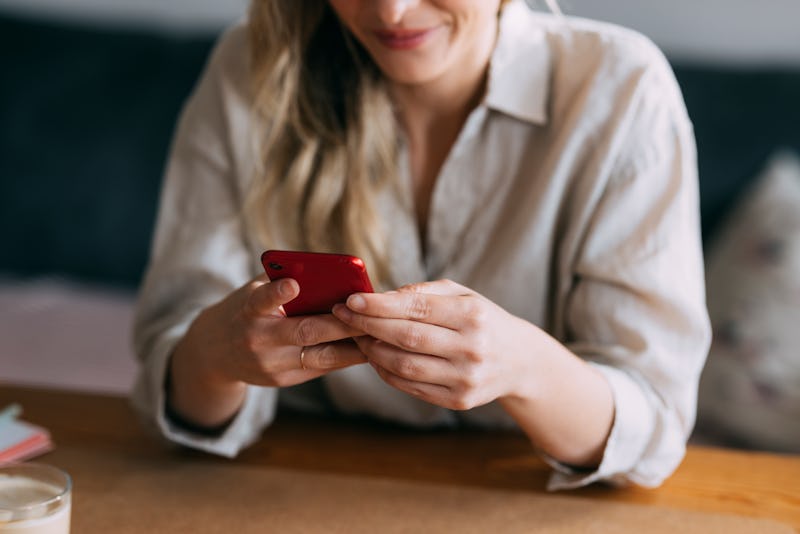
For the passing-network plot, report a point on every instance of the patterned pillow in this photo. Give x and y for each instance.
(750, 389)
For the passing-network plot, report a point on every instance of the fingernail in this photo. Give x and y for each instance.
(285, 288)
(356, 302)
(341, 311)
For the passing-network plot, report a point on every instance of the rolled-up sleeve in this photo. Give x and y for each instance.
(636, 308)
(199, 253)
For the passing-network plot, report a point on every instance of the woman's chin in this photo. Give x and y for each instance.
(411, 74)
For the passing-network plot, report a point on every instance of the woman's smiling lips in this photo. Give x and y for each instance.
(404, 39)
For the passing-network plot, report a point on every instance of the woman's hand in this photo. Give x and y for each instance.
(448, 345)
(247, 339)
(442, 342)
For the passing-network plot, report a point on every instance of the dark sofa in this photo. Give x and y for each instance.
(86, 116)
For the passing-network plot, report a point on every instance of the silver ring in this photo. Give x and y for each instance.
(302, 359)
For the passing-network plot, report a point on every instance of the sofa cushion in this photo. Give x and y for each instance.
(750, 389)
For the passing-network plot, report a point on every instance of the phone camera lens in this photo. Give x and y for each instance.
(276, 266)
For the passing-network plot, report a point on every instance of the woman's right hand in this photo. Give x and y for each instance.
(246, 338)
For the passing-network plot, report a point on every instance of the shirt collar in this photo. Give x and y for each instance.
(519, 74)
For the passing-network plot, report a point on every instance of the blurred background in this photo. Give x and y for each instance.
(90, 90)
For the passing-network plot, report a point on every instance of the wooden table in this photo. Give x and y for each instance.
(709, 480)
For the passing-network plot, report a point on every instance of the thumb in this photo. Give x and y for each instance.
(266, 297)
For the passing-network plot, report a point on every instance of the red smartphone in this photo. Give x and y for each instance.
(325, 279)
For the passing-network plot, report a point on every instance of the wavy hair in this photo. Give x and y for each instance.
(331, 142)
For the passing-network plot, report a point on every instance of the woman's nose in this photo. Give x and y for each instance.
(392, 11)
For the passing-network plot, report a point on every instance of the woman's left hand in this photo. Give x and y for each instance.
(446, 344)
(443, 343)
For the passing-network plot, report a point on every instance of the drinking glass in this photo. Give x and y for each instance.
(34, 499)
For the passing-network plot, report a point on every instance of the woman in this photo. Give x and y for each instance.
(540, 170)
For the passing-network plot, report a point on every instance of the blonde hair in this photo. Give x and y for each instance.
(330, 144)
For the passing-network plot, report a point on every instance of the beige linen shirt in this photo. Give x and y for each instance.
(569, 198)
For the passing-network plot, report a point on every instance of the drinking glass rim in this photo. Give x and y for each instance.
(67, 486)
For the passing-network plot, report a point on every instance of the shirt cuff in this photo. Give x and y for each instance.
(631, 431)
(257, 411)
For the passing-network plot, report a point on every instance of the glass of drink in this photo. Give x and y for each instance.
(34, 499)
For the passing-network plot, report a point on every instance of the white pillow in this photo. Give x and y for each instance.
(750, 389)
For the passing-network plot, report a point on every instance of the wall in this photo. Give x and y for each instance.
(743, 31)
(182, 15)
